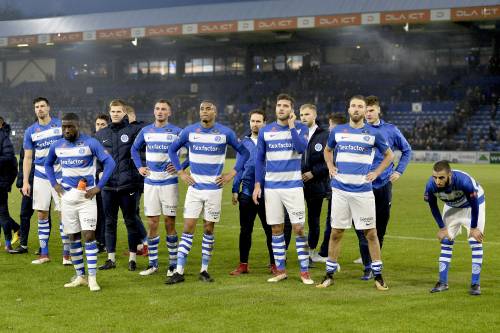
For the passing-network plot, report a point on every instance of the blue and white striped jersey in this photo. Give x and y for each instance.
(207, 153)
(279, 153)
(455, 195)
(78, 160)
(462, 192)
(157, 141)
(38, 139)
(354, 150)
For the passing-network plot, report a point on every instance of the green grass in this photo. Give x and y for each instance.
(34, 299)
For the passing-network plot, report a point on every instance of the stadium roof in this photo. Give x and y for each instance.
(189, 17)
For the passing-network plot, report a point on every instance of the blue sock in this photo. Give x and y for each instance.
(153, 251)
(172, 249)
(76, 252)
(8, 243)
(43, 236)
(65, 240)
(184, 247)
(477, 259)
(377, 267)
(445, 259)
(279, 251)
(302, 252)
(331, 266)
(207, 246)
(91, 254)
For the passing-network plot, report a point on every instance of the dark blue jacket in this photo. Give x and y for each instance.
(117, 139)
(8, 161)
(246, 176)
(396, 141)
(313, 160)
(19, 181)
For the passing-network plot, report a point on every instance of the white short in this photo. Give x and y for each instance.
(43, 192)
(347, 208)
(277, 199)
(455, 218)
(160, 199)
(207, 200)
(77, 212)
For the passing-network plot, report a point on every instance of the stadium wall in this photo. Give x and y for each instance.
(471, 157)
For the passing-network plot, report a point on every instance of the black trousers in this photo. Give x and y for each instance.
(8, 224)
(142, 229)
(328, 229)
(314, 205)
(383, 199)
(248, 212)
(125, 200)
(100, 229)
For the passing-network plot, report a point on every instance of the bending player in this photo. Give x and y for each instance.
(464, 205)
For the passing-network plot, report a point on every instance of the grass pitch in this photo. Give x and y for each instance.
(34, 299)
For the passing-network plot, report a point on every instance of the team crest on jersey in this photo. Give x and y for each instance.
(56, 130)
(217, 138)
(124, 138)
(169, 137)
(81, 151)
(318, 147)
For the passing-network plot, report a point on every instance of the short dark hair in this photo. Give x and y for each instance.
(165, 101)
(208, 101)
(442, 165)
(337, 118)
(286, 97)
(257, 111)
(103, 116)
(41, 99)
(372, 100)
(71, 117)
(361, 97)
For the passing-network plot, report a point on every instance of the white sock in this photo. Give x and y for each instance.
(132, 256)
(111, 256)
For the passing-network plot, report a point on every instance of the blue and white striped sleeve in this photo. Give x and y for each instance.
(135, 150)
(106, 160)
(49, 165)
(175, 146)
